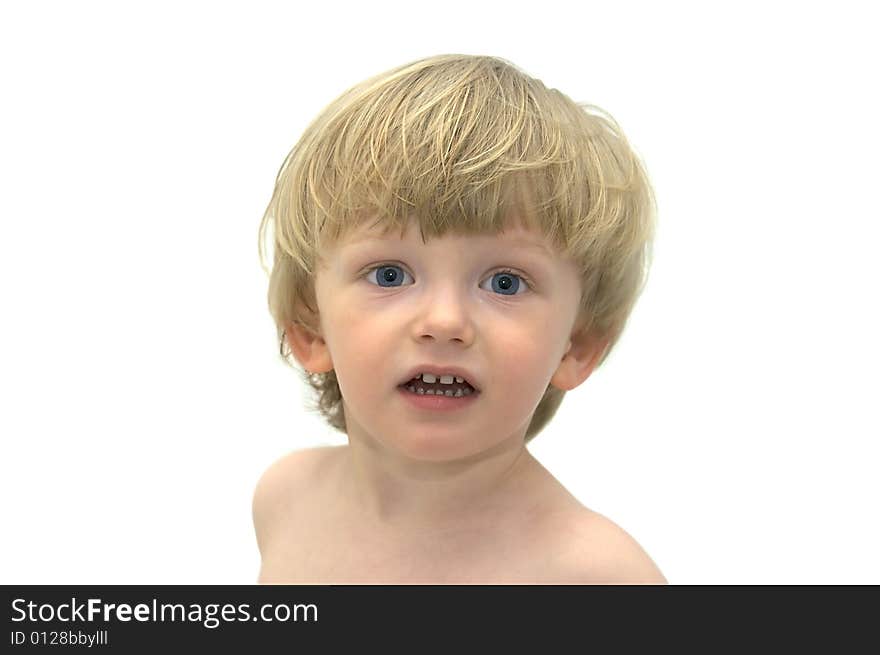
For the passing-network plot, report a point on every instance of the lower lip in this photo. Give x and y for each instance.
(437, 403)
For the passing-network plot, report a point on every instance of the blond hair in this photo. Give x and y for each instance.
(459, 142)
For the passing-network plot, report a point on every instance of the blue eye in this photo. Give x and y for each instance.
(506, 281)
(389, 273)
(389, 276)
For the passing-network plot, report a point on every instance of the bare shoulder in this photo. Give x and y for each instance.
(280, 485)
(595, 550)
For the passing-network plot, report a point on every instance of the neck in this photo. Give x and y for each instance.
(386, 487)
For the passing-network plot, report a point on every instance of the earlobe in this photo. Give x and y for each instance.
(309, 348)
(577, 364)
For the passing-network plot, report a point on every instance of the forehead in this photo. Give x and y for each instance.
(515, 235)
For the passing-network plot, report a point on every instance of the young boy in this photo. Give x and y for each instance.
(455, 247)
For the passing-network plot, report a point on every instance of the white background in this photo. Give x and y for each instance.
(733, 432)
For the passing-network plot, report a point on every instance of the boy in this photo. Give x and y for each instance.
(455, 247)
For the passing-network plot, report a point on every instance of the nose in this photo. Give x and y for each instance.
(444, 317)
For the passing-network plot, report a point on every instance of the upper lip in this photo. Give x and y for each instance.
(437, 369)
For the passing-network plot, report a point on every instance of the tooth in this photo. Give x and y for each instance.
(459, 380)
(427, 377)
(446, 379)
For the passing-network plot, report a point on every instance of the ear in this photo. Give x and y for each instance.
(584, 352)
(309, 348)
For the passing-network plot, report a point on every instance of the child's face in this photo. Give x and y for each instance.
(388, 304)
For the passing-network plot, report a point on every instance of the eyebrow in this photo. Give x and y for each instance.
(518, 243)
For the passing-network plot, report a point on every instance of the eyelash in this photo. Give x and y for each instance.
(505, 271)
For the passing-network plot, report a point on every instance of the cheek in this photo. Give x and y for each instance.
(523, 361)
(361, 347)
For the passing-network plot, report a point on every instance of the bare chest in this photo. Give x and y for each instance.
(322, 550)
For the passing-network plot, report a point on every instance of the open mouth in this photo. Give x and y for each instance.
(457, 388)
